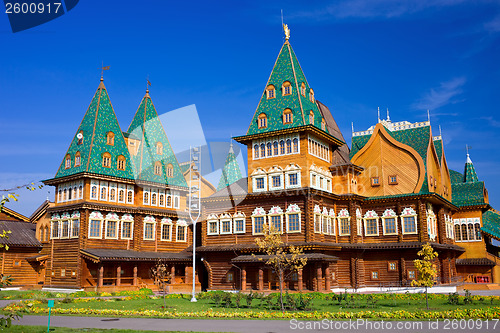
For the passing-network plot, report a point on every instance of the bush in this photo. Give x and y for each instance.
(454, 298)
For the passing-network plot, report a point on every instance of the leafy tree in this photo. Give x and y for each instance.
(279, 259)
(426, 271)
(161, 277)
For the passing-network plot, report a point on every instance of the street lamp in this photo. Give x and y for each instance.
(194, 206)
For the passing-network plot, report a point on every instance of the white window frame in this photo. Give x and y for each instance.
(176, 201)
(238, 217)
(389, 214)
(409, 212)
(148, 220)
(103, 185)
(61, 224)
(92, 183)
(371, 215)
(101, 221)
(166, 221)
(117, 231)
(152, 192)
(258, 212)
(181, 224)
(212, 219)
(291, 210)
(146, 193)
(225, 218)
(270, 181)
(254, 183)
(130, 188)
(131, 229)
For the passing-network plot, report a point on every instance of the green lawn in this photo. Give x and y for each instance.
(43, 329)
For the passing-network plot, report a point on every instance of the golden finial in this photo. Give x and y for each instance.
(287, 31)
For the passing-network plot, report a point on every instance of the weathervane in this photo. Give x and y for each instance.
(287, 31)
(103, 68)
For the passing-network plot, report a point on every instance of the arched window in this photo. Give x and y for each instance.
(121, 162)
(295, 145)
(464, 232)
(80, 138)
(287, 116)
(106, 160)
(282, 147)
(262, 150)
(311, 117)
(270, 91)
(159, 148)
(256, 151)
(80, 192)
(93, 192)
(303, 89)
(67, 163)
(323, 124)
(153, 199)
(262, 121)
(458, 236)
(129, 197)
(162, 200)
(169, 201)
(77, 159)
(110, 139)
(112, 195)
(158, 168)
(103, 193)
(170, 170)
(269, 149)
(286, 88)
(121, 195)
(64, 195)
(288, 146)
(69, 194)
(311, 95)
(60, 196)
(477, 230)
(470, 229)
(275, 148)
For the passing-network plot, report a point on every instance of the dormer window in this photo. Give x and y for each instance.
(270, 91)
(106, 160)
(311, 117)
(311, 95)
(303, 89)
(110, 139)
(157, 168)
(170, 170)
(77, 159)
(323, 124)
(121, 162)
(375, 181)
(286, 88)
(67, 162)
(159, 148)
(262, 120)
(287, 116)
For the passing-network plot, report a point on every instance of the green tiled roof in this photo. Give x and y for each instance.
(231, 172)
(147, 126)
(438, 144)
(287, 68)
(467, 194)
(418, 138)
(99, 120)
(470, 174)
(491, 224)
(456, 177)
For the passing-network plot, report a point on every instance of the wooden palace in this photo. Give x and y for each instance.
(361, 214)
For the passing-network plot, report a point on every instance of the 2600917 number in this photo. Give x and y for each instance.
(31, 8)
(470, 324)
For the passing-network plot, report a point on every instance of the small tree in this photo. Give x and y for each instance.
(280, 260)
(161, 277)
(426, 271)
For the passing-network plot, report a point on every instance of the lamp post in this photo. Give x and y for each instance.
(194, 202)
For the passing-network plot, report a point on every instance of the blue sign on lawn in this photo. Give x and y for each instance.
(51, 303)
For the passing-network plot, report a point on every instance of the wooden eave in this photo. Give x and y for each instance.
(117, 208)
(358, 169)
(140, 182)
(433, 197)
(76, 176)
(243, 139)
(15, 214)
(474, 207)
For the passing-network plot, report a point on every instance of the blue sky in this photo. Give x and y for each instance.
(408, 56)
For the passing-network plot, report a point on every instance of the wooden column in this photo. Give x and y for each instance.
(328, 278)
(118, 275)
(441, 225)
(172, 274)
(319, 278)
(423, 234)
(354, 220)
(403, 271)
(300, 280)
(243, 278)
(261, 279)
(135, 276)
(100, 280)
(187, 277)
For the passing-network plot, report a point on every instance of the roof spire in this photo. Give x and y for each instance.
(148, 84)
(440, 131)
(287, 31)
(388, 118)
(352, 126)
(470, 175)
(231, 172)
(428, 116)
(378, 113)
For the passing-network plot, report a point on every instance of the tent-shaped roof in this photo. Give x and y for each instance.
(147, 128)
(90, 141)
(231, 172)
(286, 69)
(470, 175)
(491, 224)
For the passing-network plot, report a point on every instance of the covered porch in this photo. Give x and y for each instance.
(112, 270)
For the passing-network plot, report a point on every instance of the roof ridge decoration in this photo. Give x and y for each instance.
(90, 140)
(153, 146)
(286, 69)
(231, 171)
(470, 175)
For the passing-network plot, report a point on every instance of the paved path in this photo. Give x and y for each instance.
(264, 326)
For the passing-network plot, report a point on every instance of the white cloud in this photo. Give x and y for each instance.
(491, 121)
(374, 8)
(446, 93)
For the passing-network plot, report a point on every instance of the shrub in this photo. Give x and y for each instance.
(454, 298)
